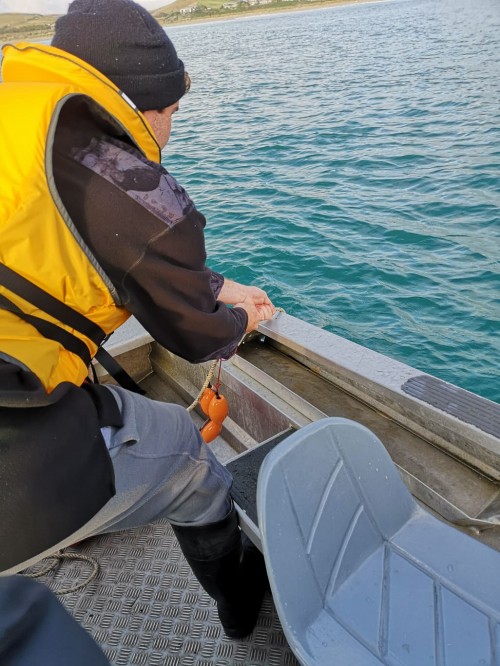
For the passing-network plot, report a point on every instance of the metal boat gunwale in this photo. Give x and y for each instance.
(372, 379)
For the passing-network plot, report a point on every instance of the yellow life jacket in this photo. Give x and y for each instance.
(38, 240)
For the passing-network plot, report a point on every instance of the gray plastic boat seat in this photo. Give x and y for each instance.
(361, 575)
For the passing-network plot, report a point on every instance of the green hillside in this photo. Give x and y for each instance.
(176, 6)
(26, 26)
(17, 26)
(188, 10)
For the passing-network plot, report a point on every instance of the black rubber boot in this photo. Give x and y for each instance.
(229, 568)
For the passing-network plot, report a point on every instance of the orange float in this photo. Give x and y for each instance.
(206, 399)
(216, 408)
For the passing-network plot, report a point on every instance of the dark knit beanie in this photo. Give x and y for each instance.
(123, 41)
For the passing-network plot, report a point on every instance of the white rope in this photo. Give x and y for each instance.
(207, 381)
(58, 558)
(209, 376)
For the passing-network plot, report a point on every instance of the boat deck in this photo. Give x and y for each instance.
(145, 607)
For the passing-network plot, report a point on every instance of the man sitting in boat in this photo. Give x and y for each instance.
(94, 229)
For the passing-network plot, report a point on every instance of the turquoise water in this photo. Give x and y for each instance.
(348, 161)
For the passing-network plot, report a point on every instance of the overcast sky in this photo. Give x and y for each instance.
(58, 6)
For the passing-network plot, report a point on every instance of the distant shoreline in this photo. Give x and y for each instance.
(263, 10)
(17, 34)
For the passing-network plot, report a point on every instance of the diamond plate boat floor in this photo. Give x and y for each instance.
(145, 607)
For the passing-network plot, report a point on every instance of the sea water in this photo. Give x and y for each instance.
(348, 161)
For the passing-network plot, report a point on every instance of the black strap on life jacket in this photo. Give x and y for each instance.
(44, 301)
(30, 292)
(116, 371)
(50, 330)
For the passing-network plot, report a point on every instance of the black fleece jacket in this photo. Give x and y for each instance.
(146, 233)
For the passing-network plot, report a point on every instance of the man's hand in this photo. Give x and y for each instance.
(256, 313)
(253, 300)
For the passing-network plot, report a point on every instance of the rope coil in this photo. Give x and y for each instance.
(58, 558)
